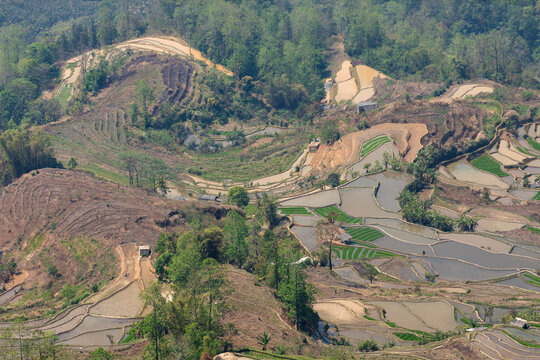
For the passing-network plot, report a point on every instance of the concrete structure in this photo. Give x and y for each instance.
(366, 105)
(144, 250)
(519, 322)
(206, 197)
(345, 238)
(314, 146)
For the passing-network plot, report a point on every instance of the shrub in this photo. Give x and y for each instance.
(368, 346)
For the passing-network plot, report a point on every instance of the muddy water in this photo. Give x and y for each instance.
(498, 313)
(359, 202)
(307, 235)
(391, 184)
(524, 194)
(320, 199)
(519, 283)
(472, 254)
(401, 225)
(400, 315)
(465, 172)
(451, 269)
(404, 247)
(364, 181)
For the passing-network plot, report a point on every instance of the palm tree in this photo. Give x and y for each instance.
(263, 340)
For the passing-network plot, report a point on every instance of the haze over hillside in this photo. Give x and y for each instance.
(270, 179)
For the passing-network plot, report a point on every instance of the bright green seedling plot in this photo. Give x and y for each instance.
(532, 279)
(364, 234)
(342, 217)
(537, 196)
(533, 143)
(359, 253)
(295, 211)
(486, 163)
(534, 230)
(407, 336)
(522, 150)
(373, 144)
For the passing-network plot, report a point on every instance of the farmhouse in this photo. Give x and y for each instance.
(519, 322)
(314, 146)
(345, 238)
(365, 106)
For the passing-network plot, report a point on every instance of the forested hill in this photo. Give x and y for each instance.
(445, 40)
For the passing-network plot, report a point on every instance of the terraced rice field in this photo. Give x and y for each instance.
(364, 234)
(295, 211)
(532, 279)
(486, 163)
(407, 336)
(534, 144)
(342, 217)
(359, 253)
(373, 144)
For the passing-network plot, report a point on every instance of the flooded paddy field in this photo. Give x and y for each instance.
(307, 235)
(452, 269)
(391, 184)
(359, 202)
(316, 200)
(467, 173)
(480, 241)
(519, 283)
(392, 243)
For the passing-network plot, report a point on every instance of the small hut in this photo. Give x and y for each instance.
(365, 106)
(144, 250)
(206, 197)
(519, 322)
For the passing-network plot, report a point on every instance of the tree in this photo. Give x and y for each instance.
(106, 29)
(333, 180)
(211, 242)
(267, 210)
(145, 95)
(430, 277)
(72, 163)
(331, 218)
(371, 272)
(488, 312)
(162, 185)
(466, 223)
(100, 354)
(263, 340)
(330, 132)
(235, 233)
(154, 325)
(368, 346)
(238, 196)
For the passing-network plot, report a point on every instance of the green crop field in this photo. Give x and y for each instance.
(487, 163)
(522, 150)
(64, 95)
(537, 196)
(407, 336)
(341, 215)
(359, 253)
(373, 144)
(295, 211)
(534, 230)
(364, 234)
(533, 143)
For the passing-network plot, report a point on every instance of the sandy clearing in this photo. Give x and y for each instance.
(435, 314)
(462, 90)
(366, 75)
(346, 151)
(479, 90)
(509, 150)
(492, 225)
(346, 90)
(506, 161)
(479, 241)
(364, 95)
(401, 315)
(345, 73)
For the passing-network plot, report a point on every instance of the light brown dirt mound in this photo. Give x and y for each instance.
(367, 75)
(347, 150)
(345, 73)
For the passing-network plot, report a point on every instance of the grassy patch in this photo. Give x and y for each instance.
(295, 211)
(522, 342)
(369, 318)
(391, 324)
(83, 249)
(373, 144)
(537, 196)
(522, 150)
(534, 144)
(487, 163)
(64, 94)
(341, 215)
(533, 230)
(105, 174)
(364, 234)
(531, 276)
(34, 243)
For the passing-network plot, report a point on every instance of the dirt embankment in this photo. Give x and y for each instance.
(346, 151)
(72, 220)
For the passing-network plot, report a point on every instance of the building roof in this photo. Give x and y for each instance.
(366, 103)
(519, 322)
(144, 247)
(345, 237)
(207, 197)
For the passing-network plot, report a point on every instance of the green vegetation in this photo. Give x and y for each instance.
(522, 342)
(34, 243)
(342, 217)
(373, 144)
(487, 163)
(369, 318)
(364, 233)
(537, 196)
(407, 336)
(417, 211)
(522, 150)
(534, 230)
(295, 211)
(534, 144)
(359, 253)
(64, 94)
(238, 196)
(532, 279)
